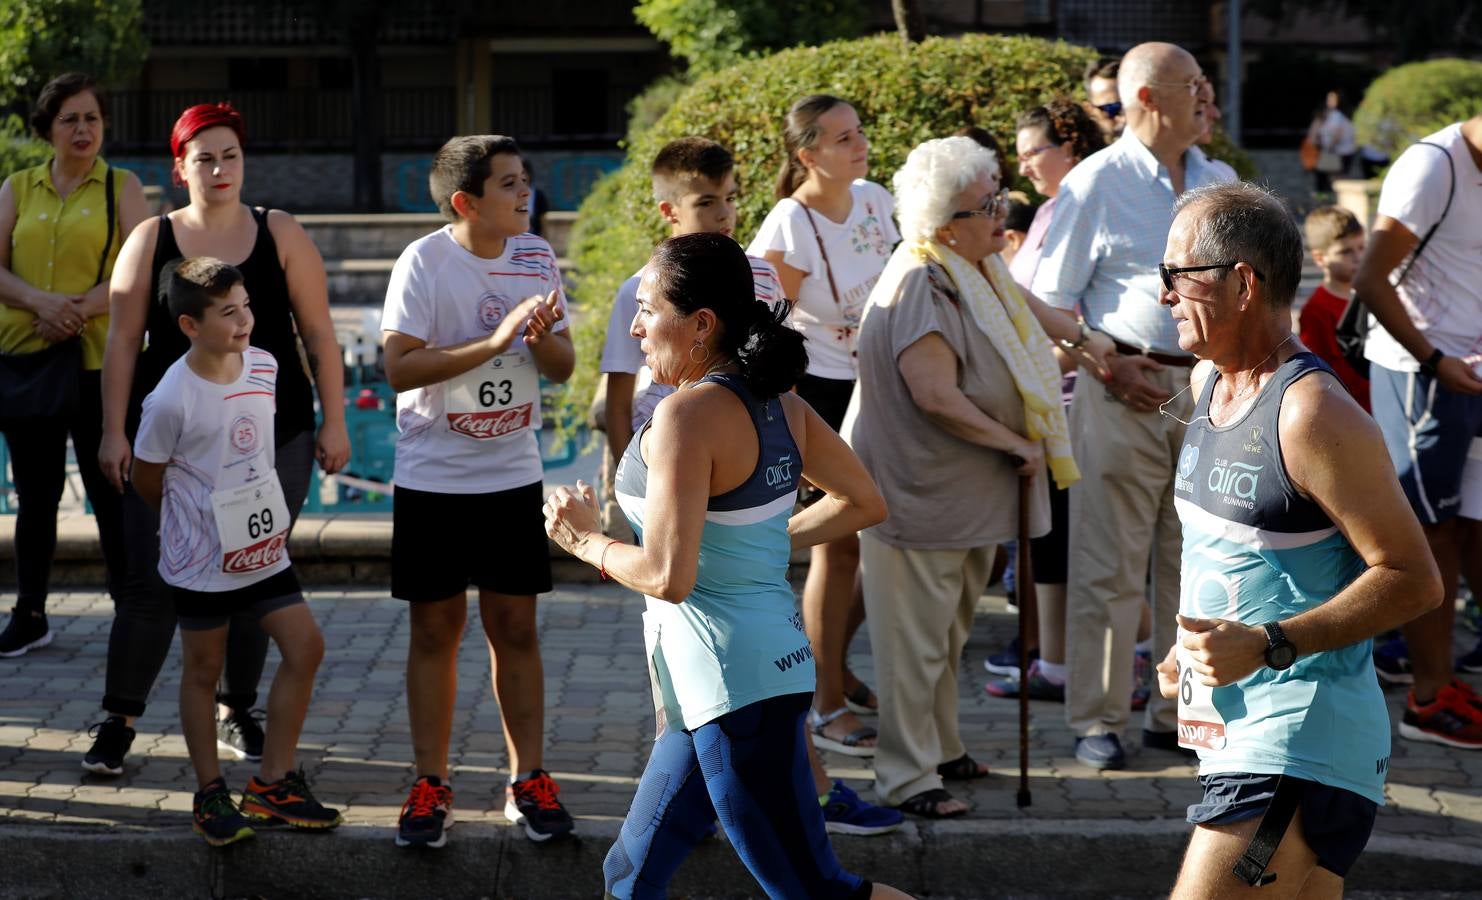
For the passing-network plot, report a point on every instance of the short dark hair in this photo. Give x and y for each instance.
(1327, 225)
(1249, 224)
(682, 160)
(1106, 67)
(191, 285)
(58, 91)
(985, 139)
(1021, 212)
(463, 164)
(711, 271)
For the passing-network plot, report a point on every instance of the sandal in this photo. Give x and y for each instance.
(963, 768)
(858, 701)
(849, 745)
(925, 805)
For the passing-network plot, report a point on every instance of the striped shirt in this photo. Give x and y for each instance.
(1107, 237)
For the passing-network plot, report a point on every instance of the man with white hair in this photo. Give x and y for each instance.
(1101, 258)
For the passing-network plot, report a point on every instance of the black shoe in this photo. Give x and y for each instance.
(1166, 740)
(427, 815)
(25, 631)
(241, 733)
(533, 803)
(217, 817)
(112, 740)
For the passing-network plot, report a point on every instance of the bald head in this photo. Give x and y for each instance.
(1150, 62)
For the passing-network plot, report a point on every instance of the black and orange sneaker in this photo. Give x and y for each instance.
(427, 815)
(287, 801)
(532, 803)
(1452, 719)
(217, 817)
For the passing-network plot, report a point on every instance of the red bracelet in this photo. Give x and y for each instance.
(602, 566)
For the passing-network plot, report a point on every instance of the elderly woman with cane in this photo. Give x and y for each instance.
(958, 397)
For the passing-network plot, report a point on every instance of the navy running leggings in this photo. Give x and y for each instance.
(750, 767)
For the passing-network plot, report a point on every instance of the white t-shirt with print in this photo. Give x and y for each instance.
(211, 438)
(858, 250)
(1443, 291)
(622, 353)
(474, 433)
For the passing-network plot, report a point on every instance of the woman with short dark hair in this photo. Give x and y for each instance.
(61, 225)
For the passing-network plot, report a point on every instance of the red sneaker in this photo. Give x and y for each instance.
(1454, 718)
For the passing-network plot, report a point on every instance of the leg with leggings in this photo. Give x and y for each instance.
(143, 615)
(107, 503)
(38, 452)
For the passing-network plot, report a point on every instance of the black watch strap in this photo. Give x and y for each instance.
(1430, 363)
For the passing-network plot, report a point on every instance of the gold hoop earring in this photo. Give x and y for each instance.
(702, 360)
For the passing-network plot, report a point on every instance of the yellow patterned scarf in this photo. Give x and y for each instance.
(1000, 312)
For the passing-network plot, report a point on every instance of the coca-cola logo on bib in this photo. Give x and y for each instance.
(492, 424)
(260, 555)
(244, 435)
(491, 310)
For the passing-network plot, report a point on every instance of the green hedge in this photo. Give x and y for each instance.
(19, 148)
(1411, 101)
(905, 94)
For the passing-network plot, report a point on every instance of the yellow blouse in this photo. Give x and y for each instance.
(55, 246)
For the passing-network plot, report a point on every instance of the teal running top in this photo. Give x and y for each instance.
(738, 637)
(1256, 551)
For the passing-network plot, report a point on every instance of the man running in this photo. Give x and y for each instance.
(1298, 547)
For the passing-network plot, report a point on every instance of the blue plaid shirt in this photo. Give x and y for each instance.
(1107, 236)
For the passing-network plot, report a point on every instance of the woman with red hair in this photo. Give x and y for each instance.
(285, 279)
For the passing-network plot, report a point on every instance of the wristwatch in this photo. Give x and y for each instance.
(1280, 653)
(1428, 366)
(1079, 342)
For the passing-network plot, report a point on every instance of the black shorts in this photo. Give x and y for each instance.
(1051, 552)
(1335, 822)
(829, 397)
(442, 543)
(205, 610)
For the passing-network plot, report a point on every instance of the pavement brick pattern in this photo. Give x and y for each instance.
(357, 749)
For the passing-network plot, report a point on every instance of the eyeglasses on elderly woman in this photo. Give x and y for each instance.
(1169, 273)
(996, 206)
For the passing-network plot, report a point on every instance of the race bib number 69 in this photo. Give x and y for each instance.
(252, 522)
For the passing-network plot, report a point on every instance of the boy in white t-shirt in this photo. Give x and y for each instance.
(474, 318)
(204, 458)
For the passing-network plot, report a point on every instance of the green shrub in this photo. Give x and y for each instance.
(1411, 101)
(905, 94)
(19, 148)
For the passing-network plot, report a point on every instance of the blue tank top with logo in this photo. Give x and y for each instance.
(737, 638)
(1256, 551)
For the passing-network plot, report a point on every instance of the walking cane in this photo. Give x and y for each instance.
(1024, 590)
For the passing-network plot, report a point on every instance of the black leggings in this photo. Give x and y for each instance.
(38, 457)
(144, 608)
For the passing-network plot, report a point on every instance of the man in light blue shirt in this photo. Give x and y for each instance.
(1101, 257)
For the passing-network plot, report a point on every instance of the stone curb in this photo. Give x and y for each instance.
(1064, 858)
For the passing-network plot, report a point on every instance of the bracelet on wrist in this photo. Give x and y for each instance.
(602, 560)
(1429, 364)
(1079, 342)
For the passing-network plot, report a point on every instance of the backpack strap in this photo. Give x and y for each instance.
(110, 205)
(1420, 248)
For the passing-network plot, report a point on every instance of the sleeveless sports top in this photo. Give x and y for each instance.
(273, 330)
(737, 638)
(1257, 551)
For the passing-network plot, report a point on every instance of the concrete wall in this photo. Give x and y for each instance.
(322, 182)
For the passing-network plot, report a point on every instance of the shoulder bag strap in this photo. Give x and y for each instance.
(112, 217)
(1420, 248)
(827, 269)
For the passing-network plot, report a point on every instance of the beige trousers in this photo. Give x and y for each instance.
(1123, 529)
(919, 608)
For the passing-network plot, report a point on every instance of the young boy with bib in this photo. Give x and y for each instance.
(204, 458)
(474, 318)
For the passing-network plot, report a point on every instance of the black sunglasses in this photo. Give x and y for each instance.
(1112, 110)
(1166, 273)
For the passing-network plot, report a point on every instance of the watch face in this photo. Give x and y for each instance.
(1281, 656)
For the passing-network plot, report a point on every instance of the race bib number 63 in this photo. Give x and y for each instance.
(496, 399)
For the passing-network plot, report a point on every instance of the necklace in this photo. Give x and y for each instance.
(1163, 407)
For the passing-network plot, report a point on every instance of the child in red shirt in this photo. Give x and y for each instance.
(1336, 241)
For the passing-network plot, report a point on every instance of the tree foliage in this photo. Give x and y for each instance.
(1409, 102)
(712, 34)
(1416, 29)
(19, 149)
(905, 93)
(40, 39)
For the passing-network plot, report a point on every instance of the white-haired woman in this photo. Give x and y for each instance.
(959, 395)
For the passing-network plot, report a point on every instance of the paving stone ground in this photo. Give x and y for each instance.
(357, 749)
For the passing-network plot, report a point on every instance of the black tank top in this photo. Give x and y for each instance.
(273, 331)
